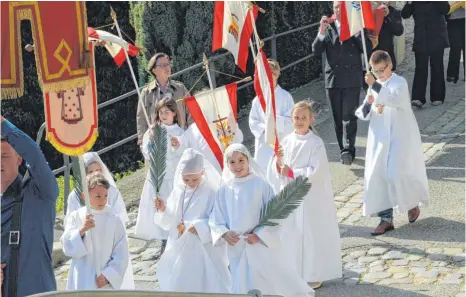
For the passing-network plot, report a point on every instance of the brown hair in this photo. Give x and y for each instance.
(274, 65)
(305, 104)
(380, 56)
(168, 103)
(97, 179)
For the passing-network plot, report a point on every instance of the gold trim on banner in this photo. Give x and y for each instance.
(73, 151)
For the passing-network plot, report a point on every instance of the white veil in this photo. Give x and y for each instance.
(91, 157)
(227, 175)
(193, 162)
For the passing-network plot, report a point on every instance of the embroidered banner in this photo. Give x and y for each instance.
(59, 31)
(71, 117)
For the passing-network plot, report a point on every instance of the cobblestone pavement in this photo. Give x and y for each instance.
(426, 258)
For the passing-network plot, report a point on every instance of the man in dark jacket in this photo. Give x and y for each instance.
(430, 41)
(343, 80)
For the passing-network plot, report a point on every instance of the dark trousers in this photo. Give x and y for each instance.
(344, 103)
(437, 78)
(386, 215)
(456, 35)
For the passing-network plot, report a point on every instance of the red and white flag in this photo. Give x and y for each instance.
(233, 29)
(355, 15)
(114, 44)
(263, 85)
(215, 114)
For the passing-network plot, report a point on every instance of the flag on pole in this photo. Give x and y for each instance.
(355, 15)
(233, 29)
(114, 44)
(215, 114)
(263, 85)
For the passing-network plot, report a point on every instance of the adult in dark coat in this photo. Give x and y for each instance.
(343, 80)
(456, 33)
(430, 41)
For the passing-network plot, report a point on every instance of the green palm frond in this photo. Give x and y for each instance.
(158, 156)
(283, 204)
(78, 187)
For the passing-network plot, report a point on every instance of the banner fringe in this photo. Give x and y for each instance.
(12, 93)
(73, 151)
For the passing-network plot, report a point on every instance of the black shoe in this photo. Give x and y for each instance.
(452, 79)
(416, 103)
(346, 158)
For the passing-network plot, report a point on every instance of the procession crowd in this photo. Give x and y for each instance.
(205, 213)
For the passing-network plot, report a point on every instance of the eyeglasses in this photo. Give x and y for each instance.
(165, 65)
(380, 71)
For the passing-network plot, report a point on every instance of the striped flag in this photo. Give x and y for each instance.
(233, 29)
(215, 114)
(263, 85)
(355, 15)
(114, 44)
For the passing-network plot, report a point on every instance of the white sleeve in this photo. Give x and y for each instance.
(270, 236)
(217, 220)
(313, 170)
(145, 143)
(284, 122)
(72, 202)
(72, 244)
(119, 207)
(256, 119)
(202, 225)
(115, 269)
(166, 218)
(393, 96)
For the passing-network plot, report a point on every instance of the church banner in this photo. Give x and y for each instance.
(59, 31)
(71, 116)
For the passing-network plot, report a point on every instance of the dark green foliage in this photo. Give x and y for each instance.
(281, 206)
(158, 156)
(78, 187)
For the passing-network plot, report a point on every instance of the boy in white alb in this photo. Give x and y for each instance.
(106, 248)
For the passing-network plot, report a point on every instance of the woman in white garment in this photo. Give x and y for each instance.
(311, 232)
(166, 115)
(255, 256)
(395, 173)
(93, 164)
(283, 104)
(191, 263)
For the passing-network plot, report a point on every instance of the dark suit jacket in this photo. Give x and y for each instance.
(430, 26)
(392, 26)
(343, 65)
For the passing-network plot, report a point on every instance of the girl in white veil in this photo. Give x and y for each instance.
(255, 256)
(190, 262)
(94, 163)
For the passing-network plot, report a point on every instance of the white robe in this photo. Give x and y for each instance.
(311, 232)
(145, 226)
(395, 173)
(284, 104)
(192, 138)
(191, 263)
(253, 266)
(117, 204)
(109, 242)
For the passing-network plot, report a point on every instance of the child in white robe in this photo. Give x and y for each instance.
(255, 256)
(395, 173)
(166, 115)
(107, 245)
(93, 164)
(311, 232)
(283, 105)
(192, 138)
(190, 262)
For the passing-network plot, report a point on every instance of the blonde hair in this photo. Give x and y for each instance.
(274, 65)
(305, 104)
(97, 179)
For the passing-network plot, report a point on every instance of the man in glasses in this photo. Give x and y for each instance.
(395, 173)
(159, 66)
(343, 79)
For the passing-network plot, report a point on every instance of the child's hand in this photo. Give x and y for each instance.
(159, 204)
(252, 238)
(369, 78)
(285, 170)
(370, 99)
(280, 157)
(379, 108)
(101, 281)
(231, 237)
(174, 142)
(192, 230)
(87, 225)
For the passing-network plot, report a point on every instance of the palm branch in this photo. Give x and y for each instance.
(284, 203)
(78, 187)
(158, 156)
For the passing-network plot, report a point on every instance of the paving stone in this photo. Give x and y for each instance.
(351, 281)
(150, 254)
(357, 254)
(424, 281)
(439, 264)
(353, 218)
(390, 281)
(377, 275)
(355, 272)
(398, 269)
(461, 294)
(393, 255)
(459, 257)
(349, 259)
(416, 251)
(437, 257)
(354, 265)
(400, 263)
(343, 213)
(351, 205)
(453, 251)
(420, 264)
(136, 249)
(365, 260)
(340, 198)
(456, 275)
(417, 270)
(377, 251)
(443, 269)
(400, 275)
(432, 274)
(435, 250)
(414, 257)
(379, 268)
(377, 263)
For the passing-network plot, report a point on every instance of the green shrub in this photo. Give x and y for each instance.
(61, 196)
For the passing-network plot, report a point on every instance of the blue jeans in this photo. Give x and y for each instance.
(386, 215)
